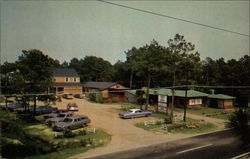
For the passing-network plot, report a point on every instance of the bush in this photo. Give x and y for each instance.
(92, 97)
(168, 120)
(68, 133)
(239, 120)
(98, 98)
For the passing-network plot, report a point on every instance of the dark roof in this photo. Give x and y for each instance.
(62, 84)
(65, 72)
(99, 85)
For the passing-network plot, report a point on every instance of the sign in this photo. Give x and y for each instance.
(162, 102)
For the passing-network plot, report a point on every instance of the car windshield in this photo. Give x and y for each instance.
(130, 111)
(67, 120)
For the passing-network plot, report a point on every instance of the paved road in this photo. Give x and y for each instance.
(218, 145)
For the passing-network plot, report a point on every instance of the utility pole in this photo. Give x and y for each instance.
(186, 99)
(147, 100)
(173, 91)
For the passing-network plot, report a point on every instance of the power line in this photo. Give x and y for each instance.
(171, 17)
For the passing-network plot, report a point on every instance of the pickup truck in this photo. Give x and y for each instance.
(134, 113)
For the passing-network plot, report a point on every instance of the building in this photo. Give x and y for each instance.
(163, 98)
(66, 81)
(111, 91)
(221, 101)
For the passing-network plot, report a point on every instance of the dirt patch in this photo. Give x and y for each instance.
(124, 134)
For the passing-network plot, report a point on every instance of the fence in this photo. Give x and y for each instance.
(153, 122)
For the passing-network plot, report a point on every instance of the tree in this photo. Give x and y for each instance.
(146, 61)
(93, 68)
(183, 62)
(36, 70)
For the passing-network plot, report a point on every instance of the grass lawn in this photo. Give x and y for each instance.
(180, 127)
(209, 112)
(66, 146)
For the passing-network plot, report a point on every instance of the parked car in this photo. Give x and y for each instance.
(39, 109)
(43, 109)
(81, 96)
(68, 96)
(54, 114)
(13, 106)
(72, 107)
(134, 113)
(72, 122)
(60, 117)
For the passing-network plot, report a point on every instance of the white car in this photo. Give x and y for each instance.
(72, 107)
(133, 113)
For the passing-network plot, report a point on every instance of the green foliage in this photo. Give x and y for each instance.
(68, 133)
(96, 97)
(239, 120)
(92, 97)
(168, 119)
(93, 68)
(31, 73)
(140, 97)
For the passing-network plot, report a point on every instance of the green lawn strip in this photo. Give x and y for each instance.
(65, 146)
(208, 112)
(179, 127)
(64, 153)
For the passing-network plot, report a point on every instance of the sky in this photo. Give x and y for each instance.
(64, 29)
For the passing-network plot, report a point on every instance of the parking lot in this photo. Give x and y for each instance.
(124, 134)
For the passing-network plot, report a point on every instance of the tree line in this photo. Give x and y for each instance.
(151, 65)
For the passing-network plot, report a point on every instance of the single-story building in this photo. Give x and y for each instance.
(66, 81)
(221, 101)
(162, 97)
(111, 91)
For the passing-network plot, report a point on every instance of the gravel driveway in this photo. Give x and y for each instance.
(124, 134)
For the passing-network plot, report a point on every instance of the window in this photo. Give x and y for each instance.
(75, 79)
(66, 79)
(197, 101)
(191, 102)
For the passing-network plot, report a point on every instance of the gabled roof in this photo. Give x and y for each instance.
(220, 96)
(65, 72)
(99, 85)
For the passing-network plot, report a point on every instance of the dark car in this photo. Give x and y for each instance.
(43, 109)
(81, 96)
(13, 106)
(133, 113)
(39, 110)
(60, 117)
(73, 122)
(55, 113)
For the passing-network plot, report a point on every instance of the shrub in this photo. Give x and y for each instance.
(168, 120)
(92, 97)
(98, 98)
(239, 120)
(68, 133)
